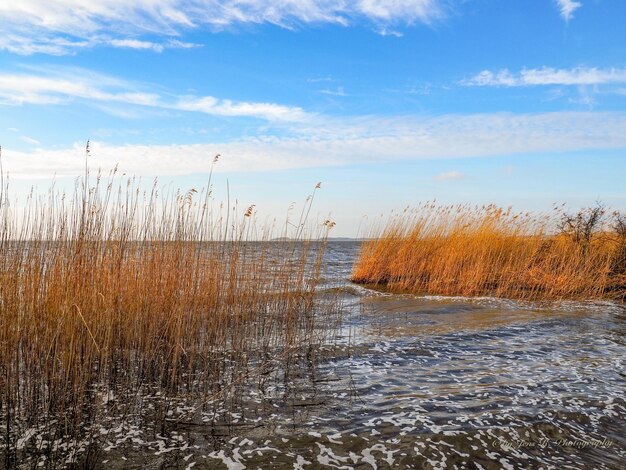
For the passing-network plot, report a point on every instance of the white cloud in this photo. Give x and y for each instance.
(176, 44)
(567, 8)
(339, 91)
(214, 106)
(548, 76)
(392, 10)
(29, 140)
(320, 79)
(59, 86)
(137, 44)
(585, 97)
(451, 176)
(149, 45)
(346, 141)
(390, 32)
(23, 44)
(32, 89)
(63, 26)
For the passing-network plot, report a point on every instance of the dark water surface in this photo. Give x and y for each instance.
(421, 382)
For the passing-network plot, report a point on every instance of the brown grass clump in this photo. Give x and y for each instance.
(460, 250)
(113, 290)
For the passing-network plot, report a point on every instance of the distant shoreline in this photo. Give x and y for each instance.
(330, 239)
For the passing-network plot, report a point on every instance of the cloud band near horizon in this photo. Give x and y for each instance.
(344, 142)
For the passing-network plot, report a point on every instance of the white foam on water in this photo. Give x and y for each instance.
(300, 463)
(233, 463)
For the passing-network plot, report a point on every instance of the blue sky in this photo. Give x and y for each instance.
(388, 102)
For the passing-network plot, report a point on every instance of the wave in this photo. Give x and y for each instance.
(565, 306)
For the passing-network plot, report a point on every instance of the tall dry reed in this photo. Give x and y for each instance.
(476, 251)
(112, 290)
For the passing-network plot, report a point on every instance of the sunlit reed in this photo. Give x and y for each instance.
(114, 289)
(490, 251)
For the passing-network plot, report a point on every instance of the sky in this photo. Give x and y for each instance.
(386, 103)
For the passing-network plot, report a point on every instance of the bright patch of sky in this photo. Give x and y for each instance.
(386, 102)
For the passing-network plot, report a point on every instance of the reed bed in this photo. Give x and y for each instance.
(489, 251)
(113, 291)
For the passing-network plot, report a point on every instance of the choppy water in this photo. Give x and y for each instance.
(422, 382)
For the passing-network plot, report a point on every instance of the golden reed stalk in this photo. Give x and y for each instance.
(114, 289)
(489, 251)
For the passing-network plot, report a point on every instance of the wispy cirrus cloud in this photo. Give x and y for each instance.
(579, 76)
(22, 43)
(339, 91)
(567, 8)
(63, 26)
(18, 89)
(29, 140)
(62, 86)
(149, 45)
(451, 176)
(320, 79)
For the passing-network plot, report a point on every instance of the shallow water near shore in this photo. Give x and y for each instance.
(417, 382)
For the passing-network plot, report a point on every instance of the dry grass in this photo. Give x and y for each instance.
(460, 250)
(113, 289)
